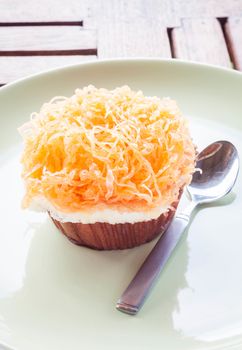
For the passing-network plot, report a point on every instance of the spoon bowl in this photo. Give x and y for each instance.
(217, 169)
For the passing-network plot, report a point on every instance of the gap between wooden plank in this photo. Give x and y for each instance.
(223, 22)
(40, 24)
(233, 33)
(170, 37)
(81, 52)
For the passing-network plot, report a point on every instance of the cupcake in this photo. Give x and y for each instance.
(108, 166)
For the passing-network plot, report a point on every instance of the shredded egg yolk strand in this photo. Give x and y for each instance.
(117, 148)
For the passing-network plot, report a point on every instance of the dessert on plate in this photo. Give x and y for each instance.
(108, 166)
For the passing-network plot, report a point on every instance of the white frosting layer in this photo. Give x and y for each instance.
(111, 216)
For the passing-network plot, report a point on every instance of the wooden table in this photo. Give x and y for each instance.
(38, 35)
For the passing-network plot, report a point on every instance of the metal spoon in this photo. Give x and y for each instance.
(219, 164)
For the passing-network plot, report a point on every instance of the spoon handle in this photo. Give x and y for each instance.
(134, 296)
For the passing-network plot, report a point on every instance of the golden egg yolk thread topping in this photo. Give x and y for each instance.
(116, 147)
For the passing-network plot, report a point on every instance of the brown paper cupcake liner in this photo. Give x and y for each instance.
(105, 236)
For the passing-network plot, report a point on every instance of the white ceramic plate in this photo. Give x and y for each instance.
(55, 295)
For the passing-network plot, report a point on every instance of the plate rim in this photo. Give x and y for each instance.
(145, 60)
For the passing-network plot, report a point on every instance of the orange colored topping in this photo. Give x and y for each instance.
(113, 147)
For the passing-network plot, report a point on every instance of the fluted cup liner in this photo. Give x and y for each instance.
(105, 236)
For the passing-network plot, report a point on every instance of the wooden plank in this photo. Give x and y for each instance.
(139, 38)
(207, 8)
(43, 11)
(12, 68)
(233, 28)
(130, 28)
(169, 11)
(155, 10)
(201, 40)
(46, 38)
